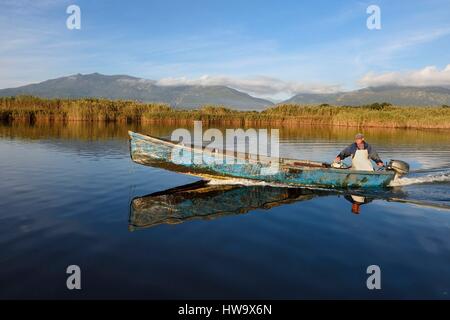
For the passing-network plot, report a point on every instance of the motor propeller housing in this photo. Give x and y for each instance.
(399, 166)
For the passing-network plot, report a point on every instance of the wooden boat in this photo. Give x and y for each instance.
(198, 161)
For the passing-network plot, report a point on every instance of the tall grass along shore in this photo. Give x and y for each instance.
(33, 109)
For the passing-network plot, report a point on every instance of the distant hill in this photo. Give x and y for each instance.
(401, 96)
(126, 87)
(189, 96)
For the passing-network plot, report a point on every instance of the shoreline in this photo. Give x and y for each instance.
(233, 122)
(28, 109)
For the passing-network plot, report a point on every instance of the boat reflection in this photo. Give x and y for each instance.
(204, 201)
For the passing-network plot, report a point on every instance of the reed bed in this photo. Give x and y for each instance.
(32, 109)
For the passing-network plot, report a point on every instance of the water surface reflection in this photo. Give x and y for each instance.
(69, 194)
(203, 201)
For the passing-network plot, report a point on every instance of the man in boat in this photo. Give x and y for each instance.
(361, 153)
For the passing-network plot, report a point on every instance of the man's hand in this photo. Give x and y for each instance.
(337, 159)
(380, 164)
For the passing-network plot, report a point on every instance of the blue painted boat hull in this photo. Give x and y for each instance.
(155, 152)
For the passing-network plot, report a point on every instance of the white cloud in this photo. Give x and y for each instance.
(428, 76)
(259, 85)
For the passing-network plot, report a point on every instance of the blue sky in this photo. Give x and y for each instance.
(267, 48)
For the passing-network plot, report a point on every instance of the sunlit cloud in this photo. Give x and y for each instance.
(428, 76)
(259, 85)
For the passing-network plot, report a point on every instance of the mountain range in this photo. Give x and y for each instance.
(193, 96)
(396, 95)
(132, 88)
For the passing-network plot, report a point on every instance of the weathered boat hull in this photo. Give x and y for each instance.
(159, 153)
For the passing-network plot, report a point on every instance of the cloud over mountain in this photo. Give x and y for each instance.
(259, 85)
(428, 76)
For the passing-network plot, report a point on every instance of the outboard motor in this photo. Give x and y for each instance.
(400, 167)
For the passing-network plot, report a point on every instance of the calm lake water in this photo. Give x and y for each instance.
(69, 194)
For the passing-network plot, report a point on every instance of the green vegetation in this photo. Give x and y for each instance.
(32, 109)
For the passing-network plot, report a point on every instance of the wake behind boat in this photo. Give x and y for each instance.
(157, 152)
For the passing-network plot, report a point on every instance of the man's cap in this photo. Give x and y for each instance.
(359, 136)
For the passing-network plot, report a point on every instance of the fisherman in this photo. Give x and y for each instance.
(361, 153)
